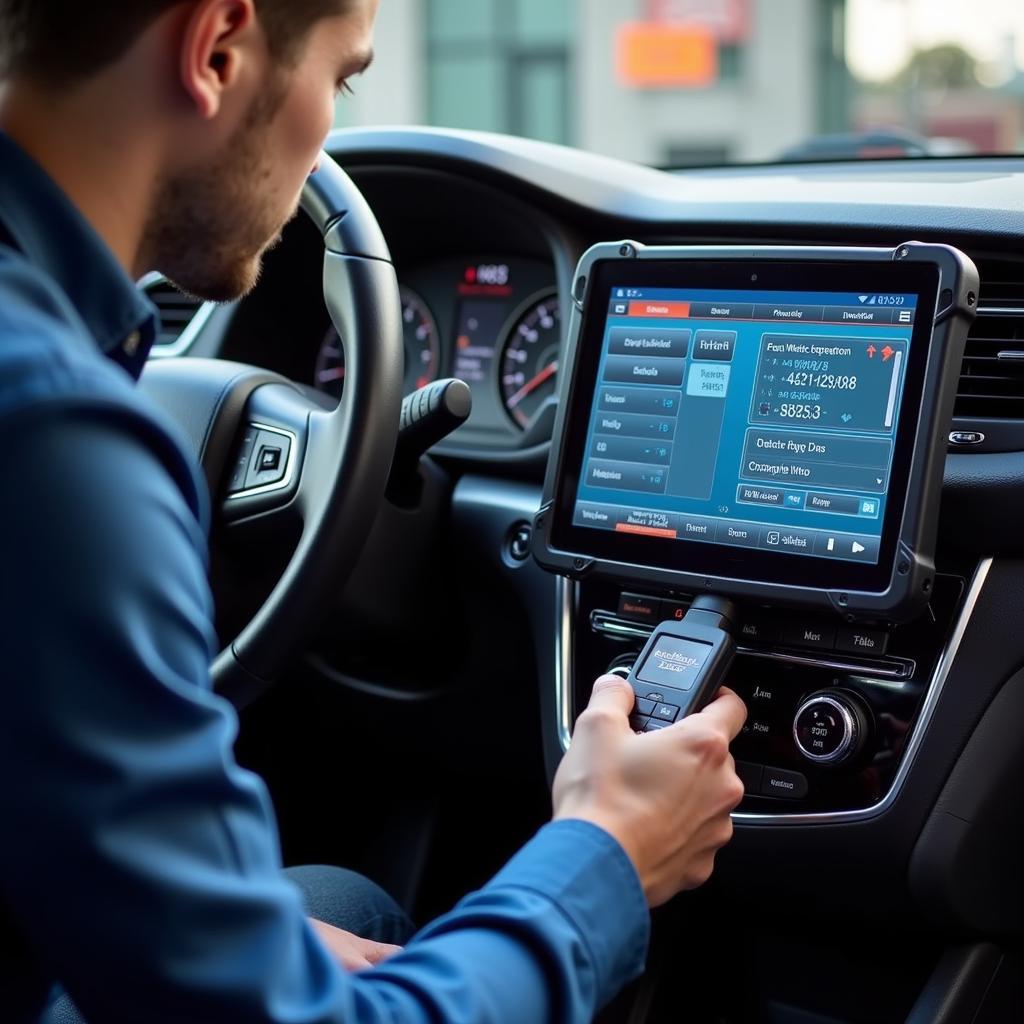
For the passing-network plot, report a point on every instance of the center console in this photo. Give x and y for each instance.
(766, 424)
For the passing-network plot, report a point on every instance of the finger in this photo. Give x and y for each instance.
(727, 712)
(614, 693)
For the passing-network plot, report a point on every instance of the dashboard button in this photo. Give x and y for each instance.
(764, 695)
(758, 630)
(830, 727)
(640, 608)
(779, 782)
(814, 634)
(757, 727)
(821, 729)
(854, 640)
(750, 776)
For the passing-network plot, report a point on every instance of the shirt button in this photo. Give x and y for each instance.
(131, 343)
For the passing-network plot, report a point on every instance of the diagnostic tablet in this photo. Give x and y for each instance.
(761, 422)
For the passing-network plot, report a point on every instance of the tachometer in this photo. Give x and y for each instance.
(422, 349)
(529, 360)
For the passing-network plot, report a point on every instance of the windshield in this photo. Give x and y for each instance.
(682, 83)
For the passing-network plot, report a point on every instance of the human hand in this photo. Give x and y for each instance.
(351, 951)
(664, 795)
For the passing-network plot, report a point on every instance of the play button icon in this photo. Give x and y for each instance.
(854, 547)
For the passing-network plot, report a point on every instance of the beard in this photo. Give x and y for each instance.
(211, 226)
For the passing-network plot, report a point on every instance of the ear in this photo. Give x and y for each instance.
(216, 42)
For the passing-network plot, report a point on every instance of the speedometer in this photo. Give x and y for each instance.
(529, 360)
(421, 349)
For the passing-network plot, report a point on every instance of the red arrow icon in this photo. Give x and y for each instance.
(887, 353)
(871, 351)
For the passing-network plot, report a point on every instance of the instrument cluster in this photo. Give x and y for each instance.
(494, 323)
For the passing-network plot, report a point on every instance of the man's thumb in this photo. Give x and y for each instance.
(613, 692)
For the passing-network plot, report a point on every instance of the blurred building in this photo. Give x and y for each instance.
(657, 81)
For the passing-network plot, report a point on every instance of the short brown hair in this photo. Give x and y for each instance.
(61, 41)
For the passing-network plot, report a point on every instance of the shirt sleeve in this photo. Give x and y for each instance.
(142, 862)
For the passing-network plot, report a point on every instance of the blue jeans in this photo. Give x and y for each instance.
(334, 895)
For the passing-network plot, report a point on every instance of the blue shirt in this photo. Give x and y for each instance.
(139, 864)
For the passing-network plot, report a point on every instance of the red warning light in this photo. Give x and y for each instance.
(470, 275)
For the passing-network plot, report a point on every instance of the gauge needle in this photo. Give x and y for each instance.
(532, 384)
(335, 373)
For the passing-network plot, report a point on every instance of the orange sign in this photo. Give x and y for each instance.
(666, 56)
(653, 307)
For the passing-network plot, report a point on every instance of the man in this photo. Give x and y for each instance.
(139, 866)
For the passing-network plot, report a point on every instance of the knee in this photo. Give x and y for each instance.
(350, 901)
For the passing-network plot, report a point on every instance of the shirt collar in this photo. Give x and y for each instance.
(54, 236)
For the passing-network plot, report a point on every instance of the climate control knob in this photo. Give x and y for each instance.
(830, 727)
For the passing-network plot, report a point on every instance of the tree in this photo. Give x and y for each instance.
(948, 66)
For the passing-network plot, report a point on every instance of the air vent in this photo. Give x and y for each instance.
(992, 377)
(180, 314)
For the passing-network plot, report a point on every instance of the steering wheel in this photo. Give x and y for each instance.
(331, 467)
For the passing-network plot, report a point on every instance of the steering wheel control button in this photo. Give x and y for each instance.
(675, 662)
(854, 640)
(270, 460)
(827, 728)
(810, 634)
(665, 712)
(241, 469)
(640, 608)
(750, 775)
(779, 782)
